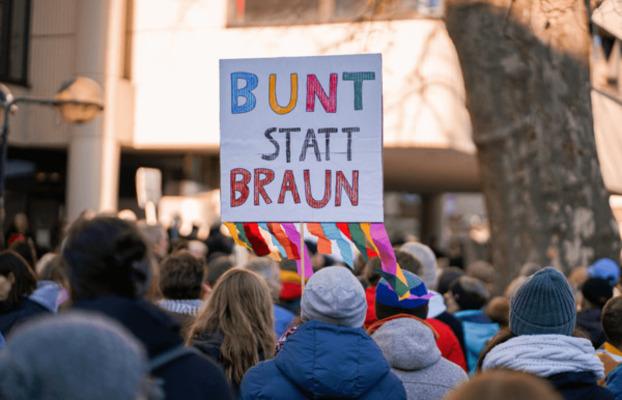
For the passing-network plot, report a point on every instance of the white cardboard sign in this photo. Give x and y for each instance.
(301, 139)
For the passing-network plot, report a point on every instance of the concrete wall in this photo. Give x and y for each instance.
(177, 45)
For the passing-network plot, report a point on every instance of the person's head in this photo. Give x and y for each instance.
(468, 293)
(73, 355)
(529, 268)
(270, 271)
(408, 262)
(388, 303)
(513, 286)
(596, 292)
(156, 237)
(239, 308)
(197, 248)
(20, 222)
(506, 385)
(611, 321)
(498, 310)
(334, 296)
(216, 268)
(371, 271)
(606, 269)
(484, 271)
(181, 276)
(106, 256)
(55, 270)
(17, 279)
(578, 276)
(544, 304)
(26, 248)
(446, 278)
(426, 257)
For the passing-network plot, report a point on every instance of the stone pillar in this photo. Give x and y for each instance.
(94, 150)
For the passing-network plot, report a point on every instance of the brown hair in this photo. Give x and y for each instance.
(501, 336)
(181, 276)
(498, 310)
(239, 308)
(405, 260)
(25, 280)
(611, 321)
(409, 263)
(506, 385)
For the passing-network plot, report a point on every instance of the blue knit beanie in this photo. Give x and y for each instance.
(544, 304)
(418, 293)
(606, 269)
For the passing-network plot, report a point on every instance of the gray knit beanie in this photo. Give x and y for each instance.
(74, 355)
(544, 304)
(334, 296)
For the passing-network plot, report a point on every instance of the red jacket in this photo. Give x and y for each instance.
(370, 296)
(448, 343)
(446, 340)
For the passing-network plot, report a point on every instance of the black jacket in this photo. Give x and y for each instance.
(579, 386)
(589, 322)
(210, 344)
(191, 376)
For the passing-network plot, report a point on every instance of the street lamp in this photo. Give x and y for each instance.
(77, 101)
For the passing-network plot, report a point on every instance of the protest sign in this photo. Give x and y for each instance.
(301, 139)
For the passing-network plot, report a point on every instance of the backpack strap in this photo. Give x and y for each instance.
(170, 355)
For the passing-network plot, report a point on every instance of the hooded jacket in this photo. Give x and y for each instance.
(478, 330)
(410, 348)
(323, 361)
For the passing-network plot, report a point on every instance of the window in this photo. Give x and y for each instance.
(295, 12)
(14, 40)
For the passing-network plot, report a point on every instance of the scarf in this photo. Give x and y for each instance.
(545, 355)
(188, 307)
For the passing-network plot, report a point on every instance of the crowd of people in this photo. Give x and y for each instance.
(121, 311)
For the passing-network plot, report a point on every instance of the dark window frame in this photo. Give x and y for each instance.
(5, 41)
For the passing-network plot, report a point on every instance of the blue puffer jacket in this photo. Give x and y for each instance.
(321, 361)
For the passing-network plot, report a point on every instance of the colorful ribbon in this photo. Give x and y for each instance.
(332, 232)
(234, 234)
(291, 251)
(275, 242)
(358, 237)
(256, 240)
(323, 243)
(391, 271)
(294, 237)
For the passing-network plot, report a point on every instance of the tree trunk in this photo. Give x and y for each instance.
(526, 72)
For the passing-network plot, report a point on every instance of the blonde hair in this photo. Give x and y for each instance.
(239, 308)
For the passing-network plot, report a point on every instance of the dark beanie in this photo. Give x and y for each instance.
(544, 304)
(597, 291)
